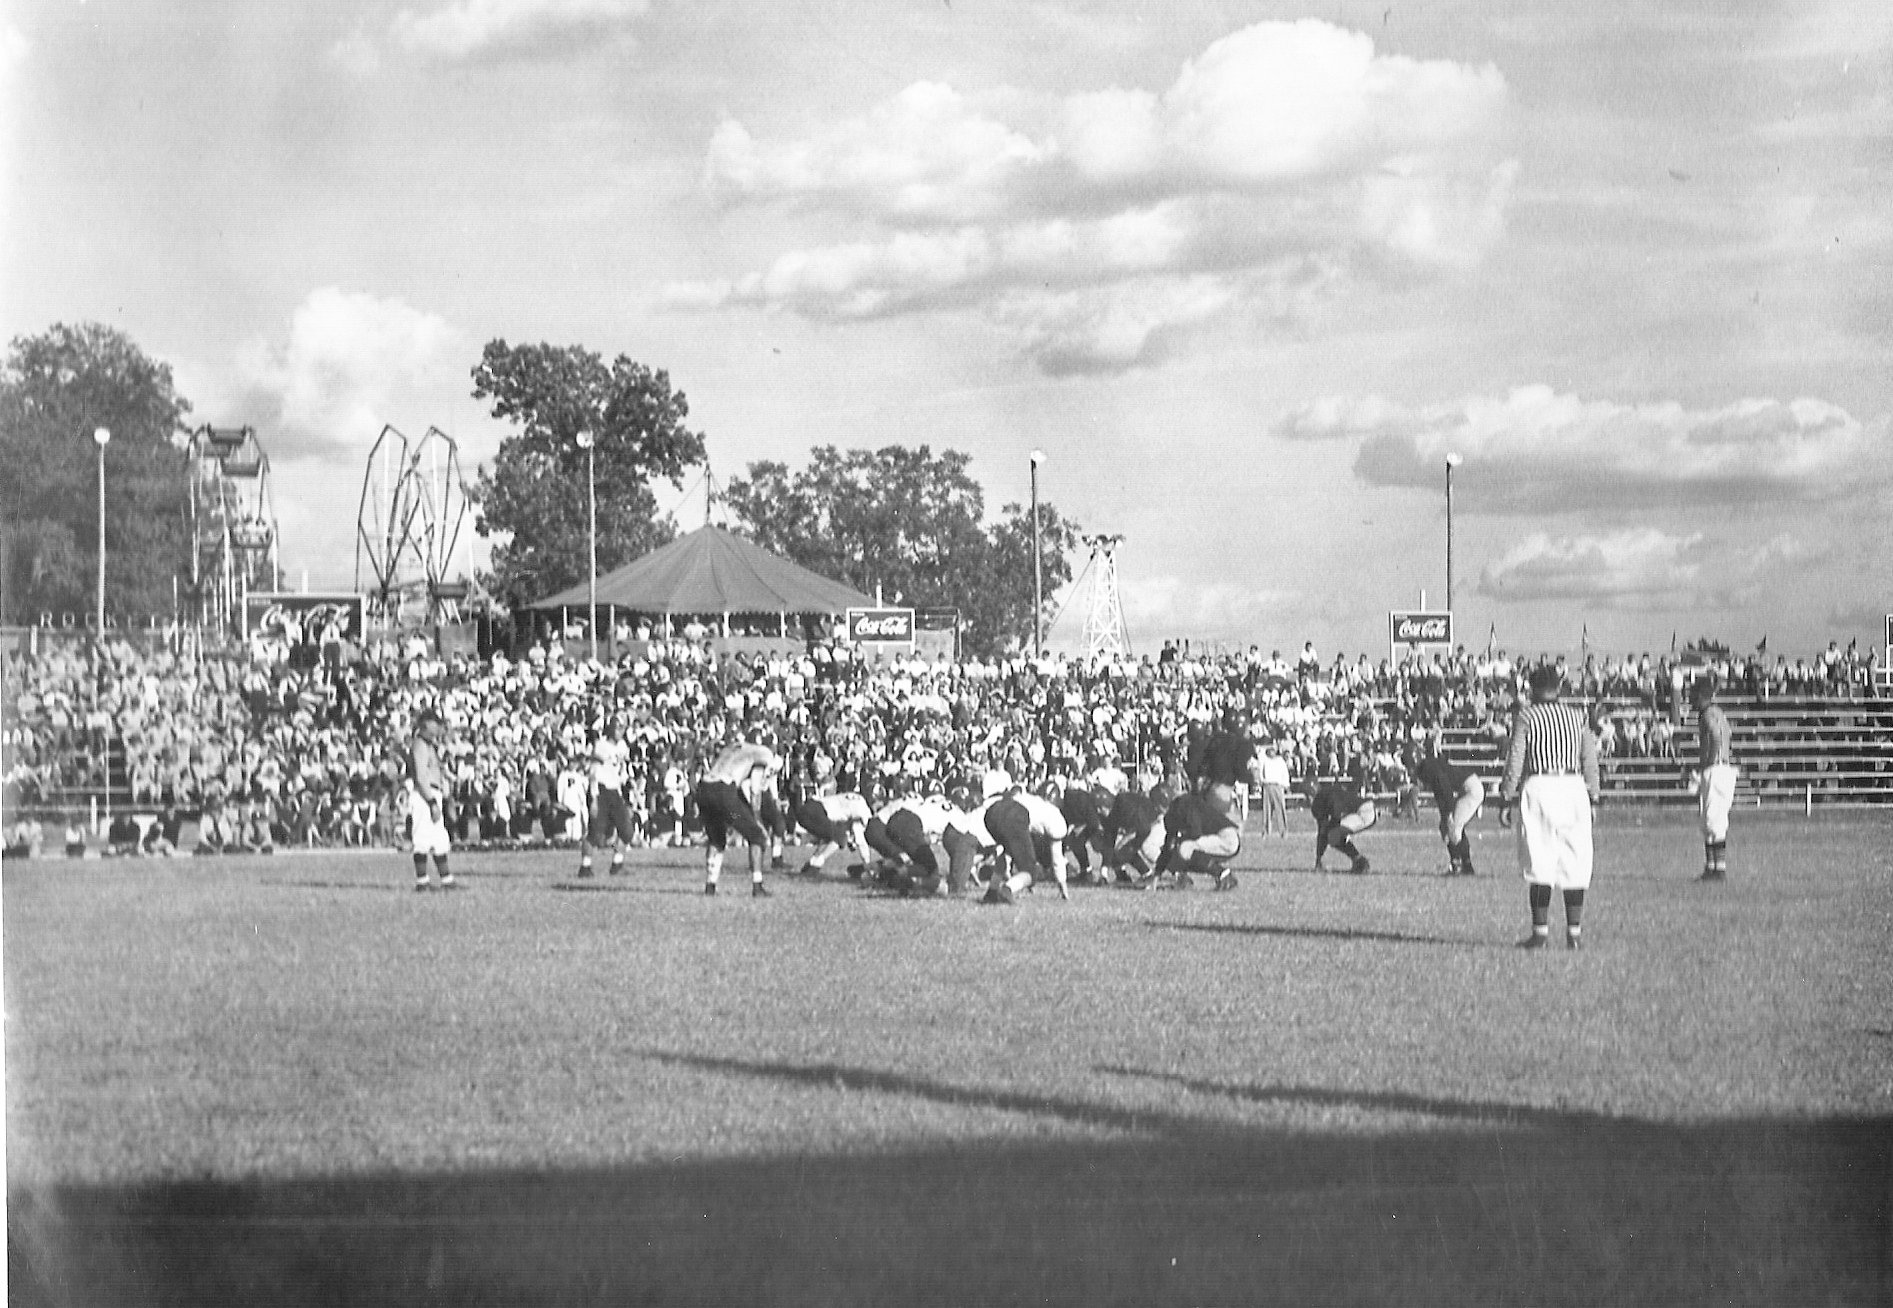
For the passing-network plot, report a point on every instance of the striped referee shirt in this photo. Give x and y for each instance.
(1551, 739)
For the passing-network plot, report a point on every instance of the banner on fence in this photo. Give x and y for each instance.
(881, 626)
(305, 619)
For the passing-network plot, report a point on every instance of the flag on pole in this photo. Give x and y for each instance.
(1672, 642)
(1492, 638)
(1763, 647)
(1584, 641)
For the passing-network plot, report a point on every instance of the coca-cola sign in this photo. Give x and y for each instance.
(881, 626)
(1422, 628)
(305, 619)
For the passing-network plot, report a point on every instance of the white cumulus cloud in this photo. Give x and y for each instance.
(479, 29)
(1282, 156)
(1640, 568)
(1534, 449)
(330, 386)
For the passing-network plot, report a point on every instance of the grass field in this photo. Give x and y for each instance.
(294, 1081)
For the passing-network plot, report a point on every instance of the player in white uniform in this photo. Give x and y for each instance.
(904, 831)
(1032, 833)
(611, 821)
(724, 805)
(834, 820)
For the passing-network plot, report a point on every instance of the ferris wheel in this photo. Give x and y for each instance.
(234, 544)
(408, 530)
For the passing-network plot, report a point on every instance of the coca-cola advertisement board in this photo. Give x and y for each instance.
(881, 626)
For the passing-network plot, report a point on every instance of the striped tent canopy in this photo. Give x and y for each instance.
(713, 571)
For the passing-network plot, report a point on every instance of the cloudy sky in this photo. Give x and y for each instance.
(1247, 273)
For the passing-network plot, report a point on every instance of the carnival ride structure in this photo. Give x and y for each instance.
(234, 540)
(409, 530)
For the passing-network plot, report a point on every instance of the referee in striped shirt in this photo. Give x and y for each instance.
(1551, 775)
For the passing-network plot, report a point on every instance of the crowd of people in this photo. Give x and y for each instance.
(256, 747)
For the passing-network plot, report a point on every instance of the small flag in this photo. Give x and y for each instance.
(1492, 638)
(1672, 642)
(1763, 647)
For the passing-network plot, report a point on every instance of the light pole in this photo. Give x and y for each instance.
(101, 436)
(587, 443)
(1452, 461)
(1038, 572)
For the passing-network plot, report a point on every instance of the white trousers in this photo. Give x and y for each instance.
(1554, 832)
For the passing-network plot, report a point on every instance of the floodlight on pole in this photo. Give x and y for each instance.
(1452, 461)
(101, 436)
(587, 443)
(1038, 571)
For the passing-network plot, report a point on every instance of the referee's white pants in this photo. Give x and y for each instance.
(1554, 832)
(1715, 794)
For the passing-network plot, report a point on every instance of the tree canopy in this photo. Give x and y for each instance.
(56, 388)
(535, 492)
(912, 524)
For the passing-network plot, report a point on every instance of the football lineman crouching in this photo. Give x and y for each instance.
(1031, 833)
(903, 833)
(1133, 831)
(832, 821)
(1200, 836)
(970, 847)
(1341, 812)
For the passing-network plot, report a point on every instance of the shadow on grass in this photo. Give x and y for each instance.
(623, 885)
(1313, 933)
(379, 887)
(1502, 1204)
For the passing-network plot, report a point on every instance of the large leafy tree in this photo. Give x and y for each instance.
(908, 524)
(535, 495)
(56, 388)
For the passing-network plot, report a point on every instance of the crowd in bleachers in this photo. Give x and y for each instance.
(255, 748)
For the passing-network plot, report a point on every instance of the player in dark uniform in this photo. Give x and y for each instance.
(1341, 812)
(1226, 761)
(1459, 793)
(1133, 831)
(1084, 810)
(1199, 836)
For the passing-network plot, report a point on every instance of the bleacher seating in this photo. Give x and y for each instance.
(1796, 750)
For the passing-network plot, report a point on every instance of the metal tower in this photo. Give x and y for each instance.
(1106, 637)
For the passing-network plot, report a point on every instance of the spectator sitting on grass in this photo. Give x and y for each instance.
(25, 838)
(121, 837)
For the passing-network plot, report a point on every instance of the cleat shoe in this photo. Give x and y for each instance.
(1225, 880)
(584, 871)
(1183, 882)
(1713, 874)
(855, 870)
(999, 893)
(1534, 941)
(757, 890)
(777, 864)
(709, 887)
(810, 870)
(616, 869)
(1361, 866)
(422, 884)
(1574, 942)
(447, 882)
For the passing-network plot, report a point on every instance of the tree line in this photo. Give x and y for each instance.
(904, 522)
